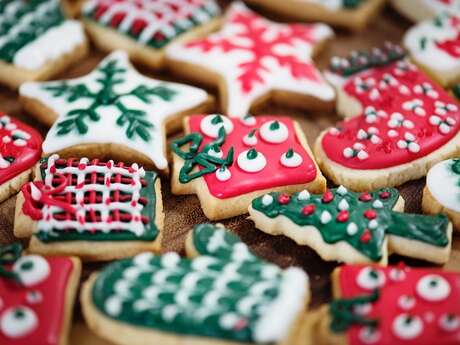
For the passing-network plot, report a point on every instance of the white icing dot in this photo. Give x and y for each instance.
(34, 297)
(449, 322)
(248, 120)
(377, 204)
(325, 217)
(406, 302)
(170, 260)
(6, 139)
(362, 309)
(370, 278)
(342, 190)
(397, 275)
(143, 259)
(303, 195)
(369, 335)
(274, 132)
(169, 312)
(228, 320)
(407, 327)
(18, 322)
(373, 224)
(215, 152)
(291, 162)
(362, 155)
(352, 229)
(223, 174)
(250, 140)
(113, 305)
(433, 288)
(343, 205)
(20, 142)
(267, 199)
(31, 269)
(211, 124)
(348, 152)
(251, 165)
(392, 133)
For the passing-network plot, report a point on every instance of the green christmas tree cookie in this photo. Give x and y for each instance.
(223, 293)
(354, 227)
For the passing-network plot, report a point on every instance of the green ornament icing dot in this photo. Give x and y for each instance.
(217, 119)
(252, 154)
(275, 125)
(290, 153)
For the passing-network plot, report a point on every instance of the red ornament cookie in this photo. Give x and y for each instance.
(229, 161)
(392, 306)
(20, 149)
(36, 297)
(401, 122)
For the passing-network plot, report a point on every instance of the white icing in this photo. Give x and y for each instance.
(443, 185)
(304, 195)
(215, 152)
(106, 130)
(366, 280)
(403, 329)
(291, 162)
(343, 205)
(332, 5)
(250, 140)
(274, 136)
(440, 6)
(369, 335)
(326, 217)
(275, 76)
(433, 288)
(406, 302)
(18, 322)
(267, 200)
(212, 130)
(397, 274)
(33, 297)
(31, 269)
(342, 190)
(449, 323)
(251, 165)
(248, 120)
(352, 229)
(223, 174)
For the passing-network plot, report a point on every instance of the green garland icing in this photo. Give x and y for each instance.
(111, 75)
(365, 238)
(216, 295)
(195, 158)
(149, 210)
(456, 91)
(45, 14)
(8, 255)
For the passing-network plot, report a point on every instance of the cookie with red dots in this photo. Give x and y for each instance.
(144, 28)
(419, 10)
(228, 162)
(393, 305)
(399, 122)
(91, 209)
(20, 149)
(37, 294)
(351, 227)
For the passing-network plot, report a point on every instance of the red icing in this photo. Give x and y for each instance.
(386, 308)
(308, 210)
(383, 151)
(273, 175)
(452, 46)
(24, 156)
(50, 311)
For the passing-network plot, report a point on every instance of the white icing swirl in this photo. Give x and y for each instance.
(274, 132)
(211, 129)
(267, 199)
(31, 269)
(293, 161)
(407, 327)
(449, 322)
(370, 278)
(250, 140)
(18, 322)
(248, 120)
(223, 174)
(251, 165)
(433, 288)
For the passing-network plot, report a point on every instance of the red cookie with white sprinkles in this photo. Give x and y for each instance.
(400, 124)
(20, 149)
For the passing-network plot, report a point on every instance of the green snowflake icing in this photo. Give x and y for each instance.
(134, 120)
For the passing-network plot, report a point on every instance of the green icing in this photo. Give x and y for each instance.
(352, 3)
(456, 91)
(367, 237)
(22, 22)
(198, 162)
(221, 294)
(134, 121)
(8, 255)
(149, 210)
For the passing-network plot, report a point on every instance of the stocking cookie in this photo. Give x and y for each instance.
(222, 294)
(37, 295)
(402, 123)
(20, 149)
(91, 209)
(228, 162)
(442, 191)
(419, 10)
(434, 45)
(354, 15)
(392, 306)
(36, 41)
(145, 28)
(112, 113)
(351, 227)
(252, 60)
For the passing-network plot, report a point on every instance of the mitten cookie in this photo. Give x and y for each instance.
(434, 45)
(228, 162)
(91, 209)
(36, 41)
(418, 10)
(37, 295)
(402, 123)
(252, 60)
(144, 28)
(112, 113)
(442, 191)
(354, 15)
(354, 227)
(391, 306)
(19, 151)
(222, 295)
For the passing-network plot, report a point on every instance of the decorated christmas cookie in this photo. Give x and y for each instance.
(222, 294)
(419, 10)
(351, 14)
(36, 41)
(354, 227)
(435, 46)
(91, 209)
(401, 122)
(37, 295)
(252, 60)
(442, 191)
(228, 162)
(20, 149)
(392, 306)
(112, 113)
(145, 27)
